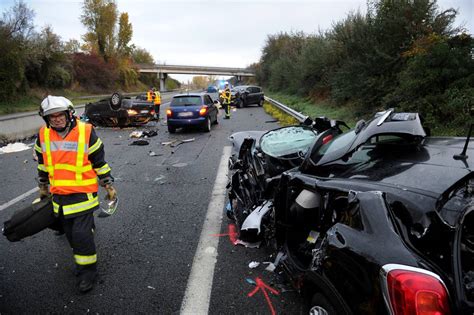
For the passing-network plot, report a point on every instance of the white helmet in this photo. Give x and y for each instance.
(55, 104)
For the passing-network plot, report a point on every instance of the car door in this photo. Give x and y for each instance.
(212, 108)
(253, 95)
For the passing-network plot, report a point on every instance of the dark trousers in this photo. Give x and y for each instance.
(157, 110)
(227, 110)
(80, 234)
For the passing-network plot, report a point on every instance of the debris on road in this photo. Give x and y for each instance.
(247, 244)
(14, 147)
(176, 142)
(151, 288)
(150, 133)
(271, 267)
(140, 142)
(136, 134)
(152, 153)
(143, 134)
(254, 264)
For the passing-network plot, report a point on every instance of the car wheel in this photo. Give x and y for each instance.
(207, 125)
(171, 129)
(260, 103)
(321, 306)
(115, 101)
(239, 104)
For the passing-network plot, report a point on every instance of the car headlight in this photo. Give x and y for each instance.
(132, 112)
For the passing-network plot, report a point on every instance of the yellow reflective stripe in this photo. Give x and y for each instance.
(70, 182)
(95, 146)
(55, 207)
(85, 260)
(38, 148)
(80, 149)
(102, 170)
(81, 206)
(43, 168)
(48, 152)
(72, 168)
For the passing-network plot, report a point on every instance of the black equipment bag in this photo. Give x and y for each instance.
(30, 220)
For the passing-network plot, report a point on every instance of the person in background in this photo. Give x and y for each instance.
(71, 160)
(157, 103)
(226, 97)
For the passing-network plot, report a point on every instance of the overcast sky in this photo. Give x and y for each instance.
(212, 32)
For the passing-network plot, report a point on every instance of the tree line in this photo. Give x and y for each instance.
(402, 53)
(105, 59)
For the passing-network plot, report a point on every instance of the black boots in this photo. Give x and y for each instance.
(86, 282)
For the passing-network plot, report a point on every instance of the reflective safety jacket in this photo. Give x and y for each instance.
(226, 96)
(71, 166)
(150, 95)
(157, 98)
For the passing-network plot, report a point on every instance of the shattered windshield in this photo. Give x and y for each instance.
(288, 140)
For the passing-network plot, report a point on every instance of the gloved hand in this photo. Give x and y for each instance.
(111, 192)
(44, 191)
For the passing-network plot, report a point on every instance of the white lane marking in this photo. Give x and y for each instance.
(198, 292)
(20, 197)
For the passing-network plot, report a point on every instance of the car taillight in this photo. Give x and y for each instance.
(415, 291)
(203, 111)
(327, 139)
(169, 112)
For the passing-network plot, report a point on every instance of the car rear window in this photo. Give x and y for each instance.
(186, 101)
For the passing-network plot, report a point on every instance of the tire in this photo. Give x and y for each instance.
(260, 103)
(207, 125)
(320, 306)
(171, 129)
(239, 103)
(115, 101)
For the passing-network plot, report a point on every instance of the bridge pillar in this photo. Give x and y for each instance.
(162, 76)
(239, 79)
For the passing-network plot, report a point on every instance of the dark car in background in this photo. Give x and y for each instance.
(119, 111)
(192, 109)
(380, 220)
(213, 92)
(244, 95)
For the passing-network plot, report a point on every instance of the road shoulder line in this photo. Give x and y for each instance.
(198, 291)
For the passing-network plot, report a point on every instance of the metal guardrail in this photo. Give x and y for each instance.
(299, 116)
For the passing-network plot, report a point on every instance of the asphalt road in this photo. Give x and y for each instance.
(147, 248)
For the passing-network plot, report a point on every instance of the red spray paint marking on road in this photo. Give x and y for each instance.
(232, 233)
(260, 285)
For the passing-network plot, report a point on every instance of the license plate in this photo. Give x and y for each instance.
(144, 111)
(185, 114)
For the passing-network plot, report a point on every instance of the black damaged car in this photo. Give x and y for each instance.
(119, 111)
(376, 220)
(380, 220)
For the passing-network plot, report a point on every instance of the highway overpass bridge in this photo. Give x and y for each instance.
(162, 71)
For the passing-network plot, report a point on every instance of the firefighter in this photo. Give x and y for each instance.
(71, 161)
(157, 102)
(226, 97)
(150, 95)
